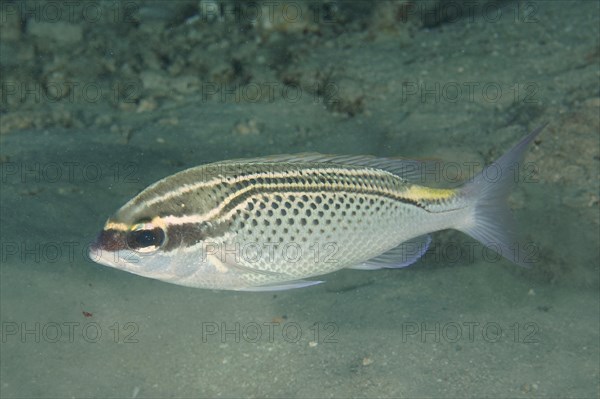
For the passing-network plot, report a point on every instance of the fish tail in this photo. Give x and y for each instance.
(490, 220)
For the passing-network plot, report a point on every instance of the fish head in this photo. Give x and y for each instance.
(167, 232)
(146, 245)
(132, 246)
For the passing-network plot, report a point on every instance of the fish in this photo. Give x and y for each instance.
(276, 222)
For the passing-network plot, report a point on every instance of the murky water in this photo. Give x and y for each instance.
(100, 101)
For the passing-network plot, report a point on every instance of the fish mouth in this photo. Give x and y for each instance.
(94, 246)
(96, 249)
(108, 241)
(119, 259)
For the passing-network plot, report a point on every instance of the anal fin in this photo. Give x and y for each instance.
(281, 287)
(403, 255)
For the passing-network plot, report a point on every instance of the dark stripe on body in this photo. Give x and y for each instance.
(286, 187)
(189, 234)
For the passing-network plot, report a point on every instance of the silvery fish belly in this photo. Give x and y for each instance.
(271, 223)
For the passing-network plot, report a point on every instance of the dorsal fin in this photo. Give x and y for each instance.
(408, 169)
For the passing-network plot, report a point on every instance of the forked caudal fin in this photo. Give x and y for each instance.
(490, 220)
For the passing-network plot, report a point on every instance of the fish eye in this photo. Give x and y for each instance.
(145, 237)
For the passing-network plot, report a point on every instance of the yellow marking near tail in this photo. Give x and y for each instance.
(420, 193)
